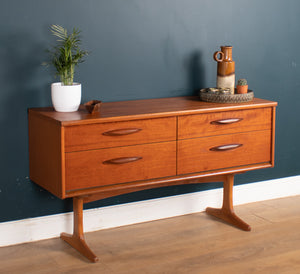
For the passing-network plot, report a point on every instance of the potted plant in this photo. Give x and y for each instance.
(242, 86)
(65, 56)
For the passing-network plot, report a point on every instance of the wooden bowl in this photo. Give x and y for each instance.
(93, 106)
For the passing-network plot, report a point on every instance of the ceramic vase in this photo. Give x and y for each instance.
(225, 69)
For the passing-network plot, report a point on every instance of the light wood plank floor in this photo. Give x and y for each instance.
(194, 243)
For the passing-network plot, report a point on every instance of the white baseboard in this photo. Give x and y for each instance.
(46, 227)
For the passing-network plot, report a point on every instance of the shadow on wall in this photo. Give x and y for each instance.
(21, 87)
(196, 72)
(19, 62)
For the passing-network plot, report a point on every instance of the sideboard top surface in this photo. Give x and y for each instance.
(141, 109)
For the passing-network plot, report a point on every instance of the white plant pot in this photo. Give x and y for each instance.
(66, 98)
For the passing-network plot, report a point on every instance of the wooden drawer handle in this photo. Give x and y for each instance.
(120, 132)
(226, 121)
(122, 160)
(226, 147)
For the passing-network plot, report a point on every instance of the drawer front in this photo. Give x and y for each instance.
(85, 169)
(95, 136)
(211, 153)
(200, 125)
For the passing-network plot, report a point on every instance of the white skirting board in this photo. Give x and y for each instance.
(51, 226)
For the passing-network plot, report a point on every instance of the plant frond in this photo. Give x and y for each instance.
(67, 54)
(59, 32)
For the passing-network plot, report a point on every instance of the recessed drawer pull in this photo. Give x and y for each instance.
(226, 121)
(122, 131)
(122, 160)
(225, 147)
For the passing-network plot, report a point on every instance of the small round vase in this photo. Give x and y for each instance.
(66, 98)
(241, 89)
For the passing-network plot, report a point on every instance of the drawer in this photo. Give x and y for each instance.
(86, 169)
(217, 152)
(95, 136)
(227, 122)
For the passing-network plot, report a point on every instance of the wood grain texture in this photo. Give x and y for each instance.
(80, 131)
(273, 135)
(85, 169)
(46, 154)
(87, 137)
(124, 149)
(226, 213)
(200, 125)
(77, 240)
(193, 243)
(145, 109)
(191, 178)
(196, 155)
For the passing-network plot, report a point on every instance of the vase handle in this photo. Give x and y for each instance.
(221, 56)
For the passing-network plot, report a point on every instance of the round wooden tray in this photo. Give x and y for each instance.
(226, 98)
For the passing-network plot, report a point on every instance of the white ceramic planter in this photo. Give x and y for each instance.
(66, 98)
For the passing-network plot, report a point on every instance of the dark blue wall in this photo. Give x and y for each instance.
(143, 49)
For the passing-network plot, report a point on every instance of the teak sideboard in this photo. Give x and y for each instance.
(143, 144)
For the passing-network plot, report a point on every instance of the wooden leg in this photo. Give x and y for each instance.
(226, 213)
(77, 239)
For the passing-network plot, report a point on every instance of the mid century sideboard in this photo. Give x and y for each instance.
(143, 144)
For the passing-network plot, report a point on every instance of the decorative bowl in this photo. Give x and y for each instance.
(226, 98)
(93, 106)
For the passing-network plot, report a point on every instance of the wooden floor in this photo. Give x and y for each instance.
(193, 243)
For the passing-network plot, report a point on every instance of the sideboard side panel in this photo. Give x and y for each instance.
(45, 154)
(273, 136)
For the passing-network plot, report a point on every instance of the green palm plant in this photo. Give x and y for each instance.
(66, 54)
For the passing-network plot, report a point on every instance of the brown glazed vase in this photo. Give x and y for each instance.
(226, 68)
